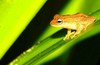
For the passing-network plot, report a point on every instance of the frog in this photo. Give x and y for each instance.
(74, 23)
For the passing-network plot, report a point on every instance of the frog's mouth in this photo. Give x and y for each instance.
(55, 25)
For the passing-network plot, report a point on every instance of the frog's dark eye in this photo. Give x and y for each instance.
(59, 21)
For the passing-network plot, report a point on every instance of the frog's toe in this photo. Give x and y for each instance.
(67, 37)
(64, 38)
(72, 37)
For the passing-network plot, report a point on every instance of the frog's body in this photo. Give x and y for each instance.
(76, 22)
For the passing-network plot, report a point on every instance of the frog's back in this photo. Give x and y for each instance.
(83, 19)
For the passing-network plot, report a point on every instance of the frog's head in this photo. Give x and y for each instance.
(58, 21)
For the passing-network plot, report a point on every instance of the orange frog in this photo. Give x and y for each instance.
(77, 22)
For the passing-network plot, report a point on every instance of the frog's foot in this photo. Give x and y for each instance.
(64, 38)
(75, 34)
(68, 36)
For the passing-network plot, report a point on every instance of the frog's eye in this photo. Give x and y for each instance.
(59, 21)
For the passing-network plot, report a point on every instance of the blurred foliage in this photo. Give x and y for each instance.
(15, 15)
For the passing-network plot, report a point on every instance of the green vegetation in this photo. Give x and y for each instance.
(15, 15)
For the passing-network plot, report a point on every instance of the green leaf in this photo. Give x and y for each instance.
(51, 44)
(15, 15)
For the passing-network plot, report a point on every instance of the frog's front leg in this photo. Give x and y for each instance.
(78, 31)
(68, 35)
